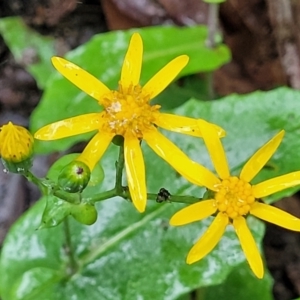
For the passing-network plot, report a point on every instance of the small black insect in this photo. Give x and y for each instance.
(163, 196)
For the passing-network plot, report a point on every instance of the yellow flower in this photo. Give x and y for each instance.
(16, 143)
(128, 113)
(235, 198)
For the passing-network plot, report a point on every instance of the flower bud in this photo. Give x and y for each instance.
(84, 213)
(16, 147)
(74, 177)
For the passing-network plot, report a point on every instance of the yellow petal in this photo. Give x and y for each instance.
(202, 126)
(215, 148)
(135, 171)
(209, 239)
(69, 127)
(249, 246)
(260, 157)
(95, 149)
(190, 170)
(276, 184)
(275, 215)
(132, 65)
(195, 212)
(164, 77)
(81, 78)
(183, 125)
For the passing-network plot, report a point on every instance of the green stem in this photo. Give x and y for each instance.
(101, 196)
(73, 198)
(73, 266)
(118, 190)
(175, 198)
(212, 24)
(119, 170)
(37, 181)
(150, 196)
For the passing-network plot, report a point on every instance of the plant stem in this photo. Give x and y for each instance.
(101, 196)
(175, 198)
(73, 266)
(212, 24)
(119, 170)
(37, 181)
(118, 190)
(150, 196)
(73, 198)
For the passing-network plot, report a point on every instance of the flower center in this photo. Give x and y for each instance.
(234, 197)
(128, 109)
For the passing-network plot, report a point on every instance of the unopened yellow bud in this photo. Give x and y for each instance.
(16, 147)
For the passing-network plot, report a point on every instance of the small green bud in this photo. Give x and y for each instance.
(84, 213)
(74, 177)
(16, 148)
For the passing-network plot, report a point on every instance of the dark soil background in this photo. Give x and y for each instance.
(263, 35)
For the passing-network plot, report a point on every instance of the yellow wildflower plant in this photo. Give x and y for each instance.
(235, 198)
(16, 143)
(127, 112)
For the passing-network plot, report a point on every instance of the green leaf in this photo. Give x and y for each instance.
(122, 241)
(143, 246)
(183, 90)
(28, 48)
(250, 121)
(240, 284)
(103, 56)
(57, 210)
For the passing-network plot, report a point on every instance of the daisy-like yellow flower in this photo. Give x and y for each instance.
(127, 112)
(235, 198)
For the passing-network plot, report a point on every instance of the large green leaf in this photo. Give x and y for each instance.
(250, 121)
(240, 284)
(124, 255)
(103, 56)
(29, 48)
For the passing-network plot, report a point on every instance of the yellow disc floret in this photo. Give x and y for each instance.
(234, 197)
(128, 109)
